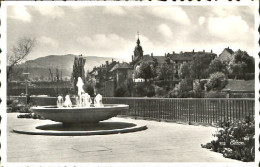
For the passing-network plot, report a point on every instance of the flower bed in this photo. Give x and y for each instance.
(235, 140)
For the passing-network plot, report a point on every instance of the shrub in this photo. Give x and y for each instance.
(217, 81)
(150, 90)
(144, 89)
(184, 89)
(235, 140)
(173, 93)
(197, 91)
(17, 106)
(214, 94)
(30, 115)
(121, 91)
(160, 92)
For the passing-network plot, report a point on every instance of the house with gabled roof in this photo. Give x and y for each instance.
(226, 55)
(121, 72)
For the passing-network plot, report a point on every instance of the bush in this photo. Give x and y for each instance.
(214, 94)
(160, 92)
(217, 81)
(197, 91)
(150, 90)
(183, 90)
(30, 115)
(121, 91)
(173, 93)
(235, 140)
(17, 106)
(144, 89)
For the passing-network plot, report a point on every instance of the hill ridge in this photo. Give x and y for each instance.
(40, 66)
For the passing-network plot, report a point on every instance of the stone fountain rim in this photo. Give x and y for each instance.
(76, 107)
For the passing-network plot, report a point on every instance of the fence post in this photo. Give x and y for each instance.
(189, 112)
(135, 109)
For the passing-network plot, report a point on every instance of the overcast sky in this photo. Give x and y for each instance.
(112, 31)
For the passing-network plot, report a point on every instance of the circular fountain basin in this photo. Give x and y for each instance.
(77, 115)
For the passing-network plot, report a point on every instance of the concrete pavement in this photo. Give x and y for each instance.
(161, 142)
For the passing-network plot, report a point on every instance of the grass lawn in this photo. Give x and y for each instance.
(240, 85)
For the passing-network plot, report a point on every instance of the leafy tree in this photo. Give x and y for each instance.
(184, 88)
(145, 71)
(200, 65)
(217, 65)
(250, 62)
(89, 89)
(165, 72)
(78, 70)
(197, 90)
(238, 68)
(241, 64)
(19, 51)
(185, 85)
(217, 81)
(185, 71)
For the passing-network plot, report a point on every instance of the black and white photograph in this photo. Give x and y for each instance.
(121, 83)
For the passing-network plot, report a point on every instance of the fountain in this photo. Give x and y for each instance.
(83, 114)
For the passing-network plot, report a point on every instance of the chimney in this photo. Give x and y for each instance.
(173, 52)
(193, 51)
(112, 60)
(228, 47)
(132, 58)
(203, 51)
(211, 51)
(152, 55)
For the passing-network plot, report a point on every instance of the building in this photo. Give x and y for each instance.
(226, 55)
(119, 74)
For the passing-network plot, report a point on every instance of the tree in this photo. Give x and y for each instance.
(165, 72)
(200, 65)
(217, 66)
(184, 88)
(185, 71)
(217, 81)
(197, 90)
(241, 64)
(19, 51)
(145, 71)
(250, 62)
(78, 70)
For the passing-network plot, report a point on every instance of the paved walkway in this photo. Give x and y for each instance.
(161, 142)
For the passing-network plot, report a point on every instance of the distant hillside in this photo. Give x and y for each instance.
(40, 66)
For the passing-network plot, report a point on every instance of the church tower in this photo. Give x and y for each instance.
(138, 52)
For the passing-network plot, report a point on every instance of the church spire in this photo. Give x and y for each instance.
(138, 52)
(138, 41)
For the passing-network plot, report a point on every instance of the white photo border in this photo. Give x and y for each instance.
(3, 60)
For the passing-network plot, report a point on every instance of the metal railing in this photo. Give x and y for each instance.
(199, 110)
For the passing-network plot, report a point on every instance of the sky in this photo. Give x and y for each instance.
(111, 31)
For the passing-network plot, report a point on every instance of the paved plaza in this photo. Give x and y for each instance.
(161, 142)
